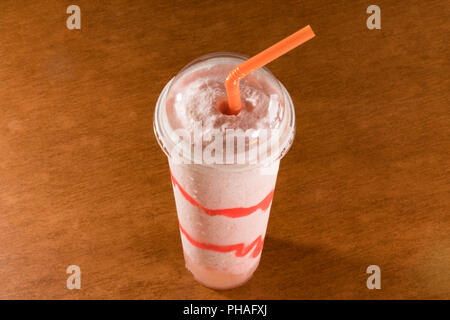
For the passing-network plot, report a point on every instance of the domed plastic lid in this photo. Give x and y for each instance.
(191, 125)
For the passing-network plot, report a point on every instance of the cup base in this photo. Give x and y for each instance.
(215, 279)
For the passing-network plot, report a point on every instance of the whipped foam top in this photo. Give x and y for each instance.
(191, 128)
(195, 98)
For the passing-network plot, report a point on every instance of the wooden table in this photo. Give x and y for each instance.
(84, 182)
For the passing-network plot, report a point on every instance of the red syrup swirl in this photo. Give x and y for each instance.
(230, 213)
(240, 248)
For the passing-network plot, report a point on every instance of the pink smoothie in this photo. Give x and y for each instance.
(223, 209)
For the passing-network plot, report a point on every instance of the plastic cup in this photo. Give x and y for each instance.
(223, 208)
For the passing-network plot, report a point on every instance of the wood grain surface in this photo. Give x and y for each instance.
(83, 180)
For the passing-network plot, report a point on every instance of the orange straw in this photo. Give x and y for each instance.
(258, 61)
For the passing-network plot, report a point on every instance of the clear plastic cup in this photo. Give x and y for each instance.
(223, 208)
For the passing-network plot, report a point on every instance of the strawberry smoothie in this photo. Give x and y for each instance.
(223, 203)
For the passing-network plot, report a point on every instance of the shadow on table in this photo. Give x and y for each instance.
(292, 271)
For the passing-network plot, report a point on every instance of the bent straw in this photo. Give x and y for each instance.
(258, 61)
